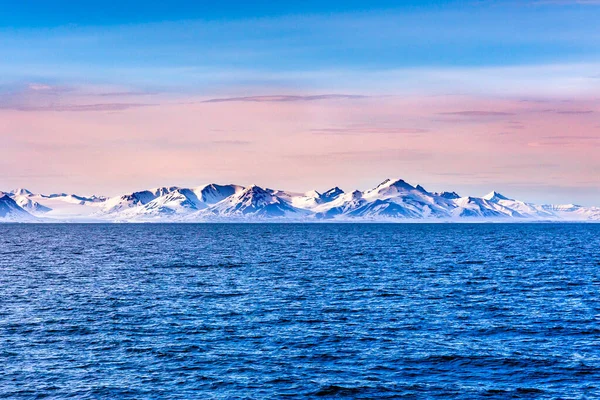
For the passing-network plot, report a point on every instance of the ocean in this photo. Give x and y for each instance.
(300, 311)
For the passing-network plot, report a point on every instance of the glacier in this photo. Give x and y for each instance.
(393, 200)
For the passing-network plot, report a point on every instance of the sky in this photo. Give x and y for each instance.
(472, 96)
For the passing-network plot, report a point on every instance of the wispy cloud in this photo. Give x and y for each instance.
(285, 98)
(74, 107)
(368, 130)
(39, 87)
(575, 137)
(478, 113)
(370, 155)
(515, 125)
(564, 141)
(33, 89)
(567, 112)
(42, 97)
(127, 94)
(231, 142)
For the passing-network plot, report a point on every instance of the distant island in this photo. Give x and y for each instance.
(390, 201)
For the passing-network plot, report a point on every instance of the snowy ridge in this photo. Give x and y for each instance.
(10, 211)
(390, 201)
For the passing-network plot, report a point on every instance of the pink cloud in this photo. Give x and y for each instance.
(285, 98)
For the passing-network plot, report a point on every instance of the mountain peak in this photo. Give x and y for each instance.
(397, 183)
(213, 193)
(421, 189)
(449, 195)
(495, 196)
(390, 187)
(21, 192)
(255, 189)
(336, 190)
(357, 194)
(332, 194)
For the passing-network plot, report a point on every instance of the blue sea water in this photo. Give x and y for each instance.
(300, 311)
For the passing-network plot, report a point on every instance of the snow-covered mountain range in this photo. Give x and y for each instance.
(391, 200)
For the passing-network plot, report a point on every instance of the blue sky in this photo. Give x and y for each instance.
(146, 43)
(41, 13)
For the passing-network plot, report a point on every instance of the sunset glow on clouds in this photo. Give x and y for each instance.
(447, 96)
